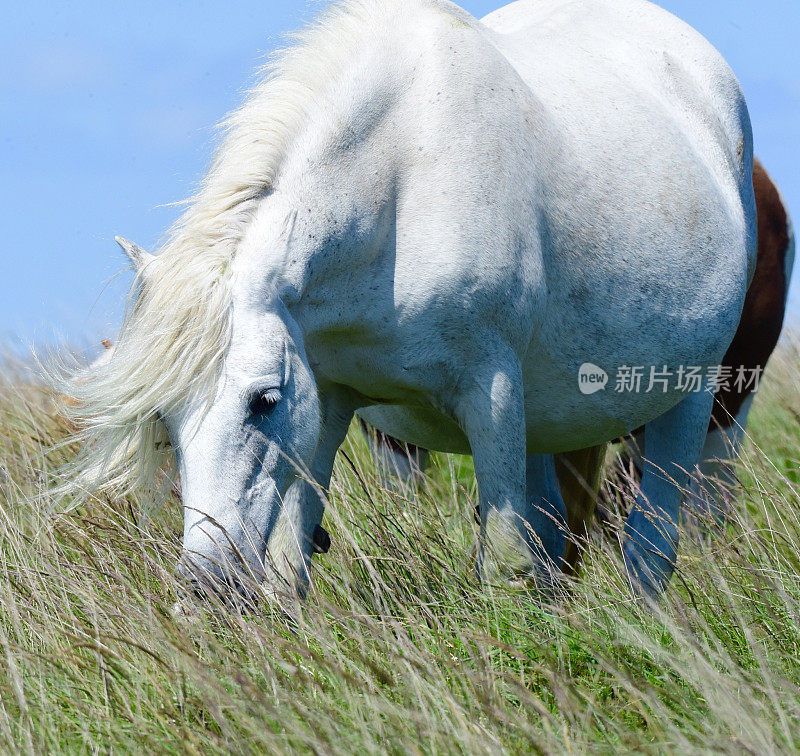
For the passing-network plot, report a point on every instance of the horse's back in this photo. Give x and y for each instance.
(603, 68)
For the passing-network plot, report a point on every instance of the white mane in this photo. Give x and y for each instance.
(177, 329)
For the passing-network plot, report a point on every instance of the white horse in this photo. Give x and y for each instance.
(436, 220)
(714, 479)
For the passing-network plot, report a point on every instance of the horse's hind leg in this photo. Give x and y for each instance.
(673, 442)
(711, 493)
(397, 461)
(580, 473)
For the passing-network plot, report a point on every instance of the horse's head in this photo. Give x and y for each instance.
(240, 445)
(238, 453)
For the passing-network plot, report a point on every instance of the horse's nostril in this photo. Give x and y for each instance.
(321, 540)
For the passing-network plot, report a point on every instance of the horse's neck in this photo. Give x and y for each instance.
(335, 194)
(340, 174)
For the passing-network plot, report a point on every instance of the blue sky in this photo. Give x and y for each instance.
(107, 114)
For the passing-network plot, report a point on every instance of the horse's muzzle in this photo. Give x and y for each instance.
(228, 583)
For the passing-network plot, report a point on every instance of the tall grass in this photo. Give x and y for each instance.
(398, 650)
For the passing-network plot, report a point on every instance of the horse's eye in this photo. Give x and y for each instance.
(263, 402)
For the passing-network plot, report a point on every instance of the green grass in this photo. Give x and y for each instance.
(398, 650)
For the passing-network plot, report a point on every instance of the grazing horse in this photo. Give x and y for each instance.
(438, 220)
(580, 472)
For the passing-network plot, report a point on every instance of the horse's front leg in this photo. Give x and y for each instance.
(298, 533)
(546, 517)
(491, 411)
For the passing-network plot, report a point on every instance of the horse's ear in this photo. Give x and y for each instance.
(138, 257)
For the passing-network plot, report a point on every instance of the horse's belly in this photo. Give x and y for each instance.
(552, 426)
(593, 376)
(559, 417)
(583, 387)
(422, 427)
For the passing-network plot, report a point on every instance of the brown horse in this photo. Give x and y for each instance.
(580, 472)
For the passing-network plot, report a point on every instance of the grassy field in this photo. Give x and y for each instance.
(399, 650)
